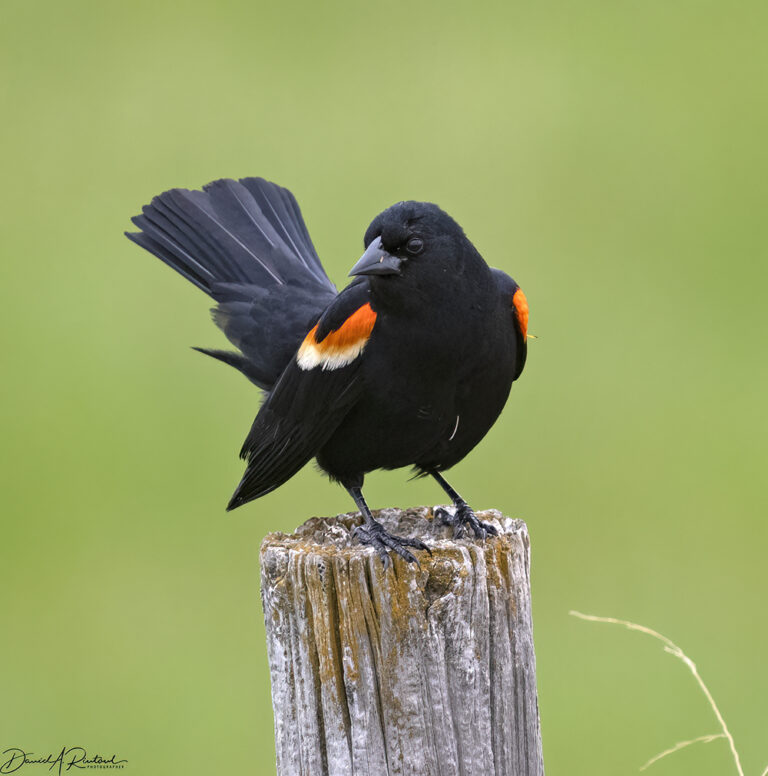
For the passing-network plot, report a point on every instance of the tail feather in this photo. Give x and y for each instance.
(248, 231)
(282, 210)
(234, 256)
(173, 250)
(186, 246)
(233, 211)
(171, 214)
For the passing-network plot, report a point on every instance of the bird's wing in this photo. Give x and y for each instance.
(313, 395)
(513, 296)
(246, 245)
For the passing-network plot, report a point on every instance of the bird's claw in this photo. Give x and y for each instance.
(373, 533)
(465, 517)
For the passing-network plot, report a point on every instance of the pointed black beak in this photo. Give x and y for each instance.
(376, 261)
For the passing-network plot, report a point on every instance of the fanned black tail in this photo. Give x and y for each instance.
(246, 245)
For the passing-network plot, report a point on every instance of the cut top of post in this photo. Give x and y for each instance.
(333, 536)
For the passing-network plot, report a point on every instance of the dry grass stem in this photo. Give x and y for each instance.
(681, 745)
(673, 649)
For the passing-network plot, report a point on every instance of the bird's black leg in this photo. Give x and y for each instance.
(373, 533)
(464, 516)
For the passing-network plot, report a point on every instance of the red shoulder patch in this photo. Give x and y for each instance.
(340, 346)
(520, 303)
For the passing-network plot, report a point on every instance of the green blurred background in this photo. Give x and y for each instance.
(610, 155)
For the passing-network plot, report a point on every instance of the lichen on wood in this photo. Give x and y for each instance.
(419, 670)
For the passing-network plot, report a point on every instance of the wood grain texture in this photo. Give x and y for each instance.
(416, 671)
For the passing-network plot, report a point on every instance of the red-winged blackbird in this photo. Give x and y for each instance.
(410, 365)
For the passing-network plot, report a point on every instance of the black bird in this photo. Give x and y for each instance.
(410, 365)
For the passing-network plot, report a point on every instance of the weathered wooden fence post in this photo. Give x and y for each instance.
(416, 671)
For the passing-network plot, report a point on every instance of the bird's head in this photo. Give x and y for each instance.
(411, 239)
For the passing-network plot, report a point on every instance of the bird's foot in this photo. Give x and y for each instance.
(465, 517)
(373, 533)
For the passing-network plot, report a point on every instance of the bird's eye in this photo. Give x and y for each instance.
(414, 245)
